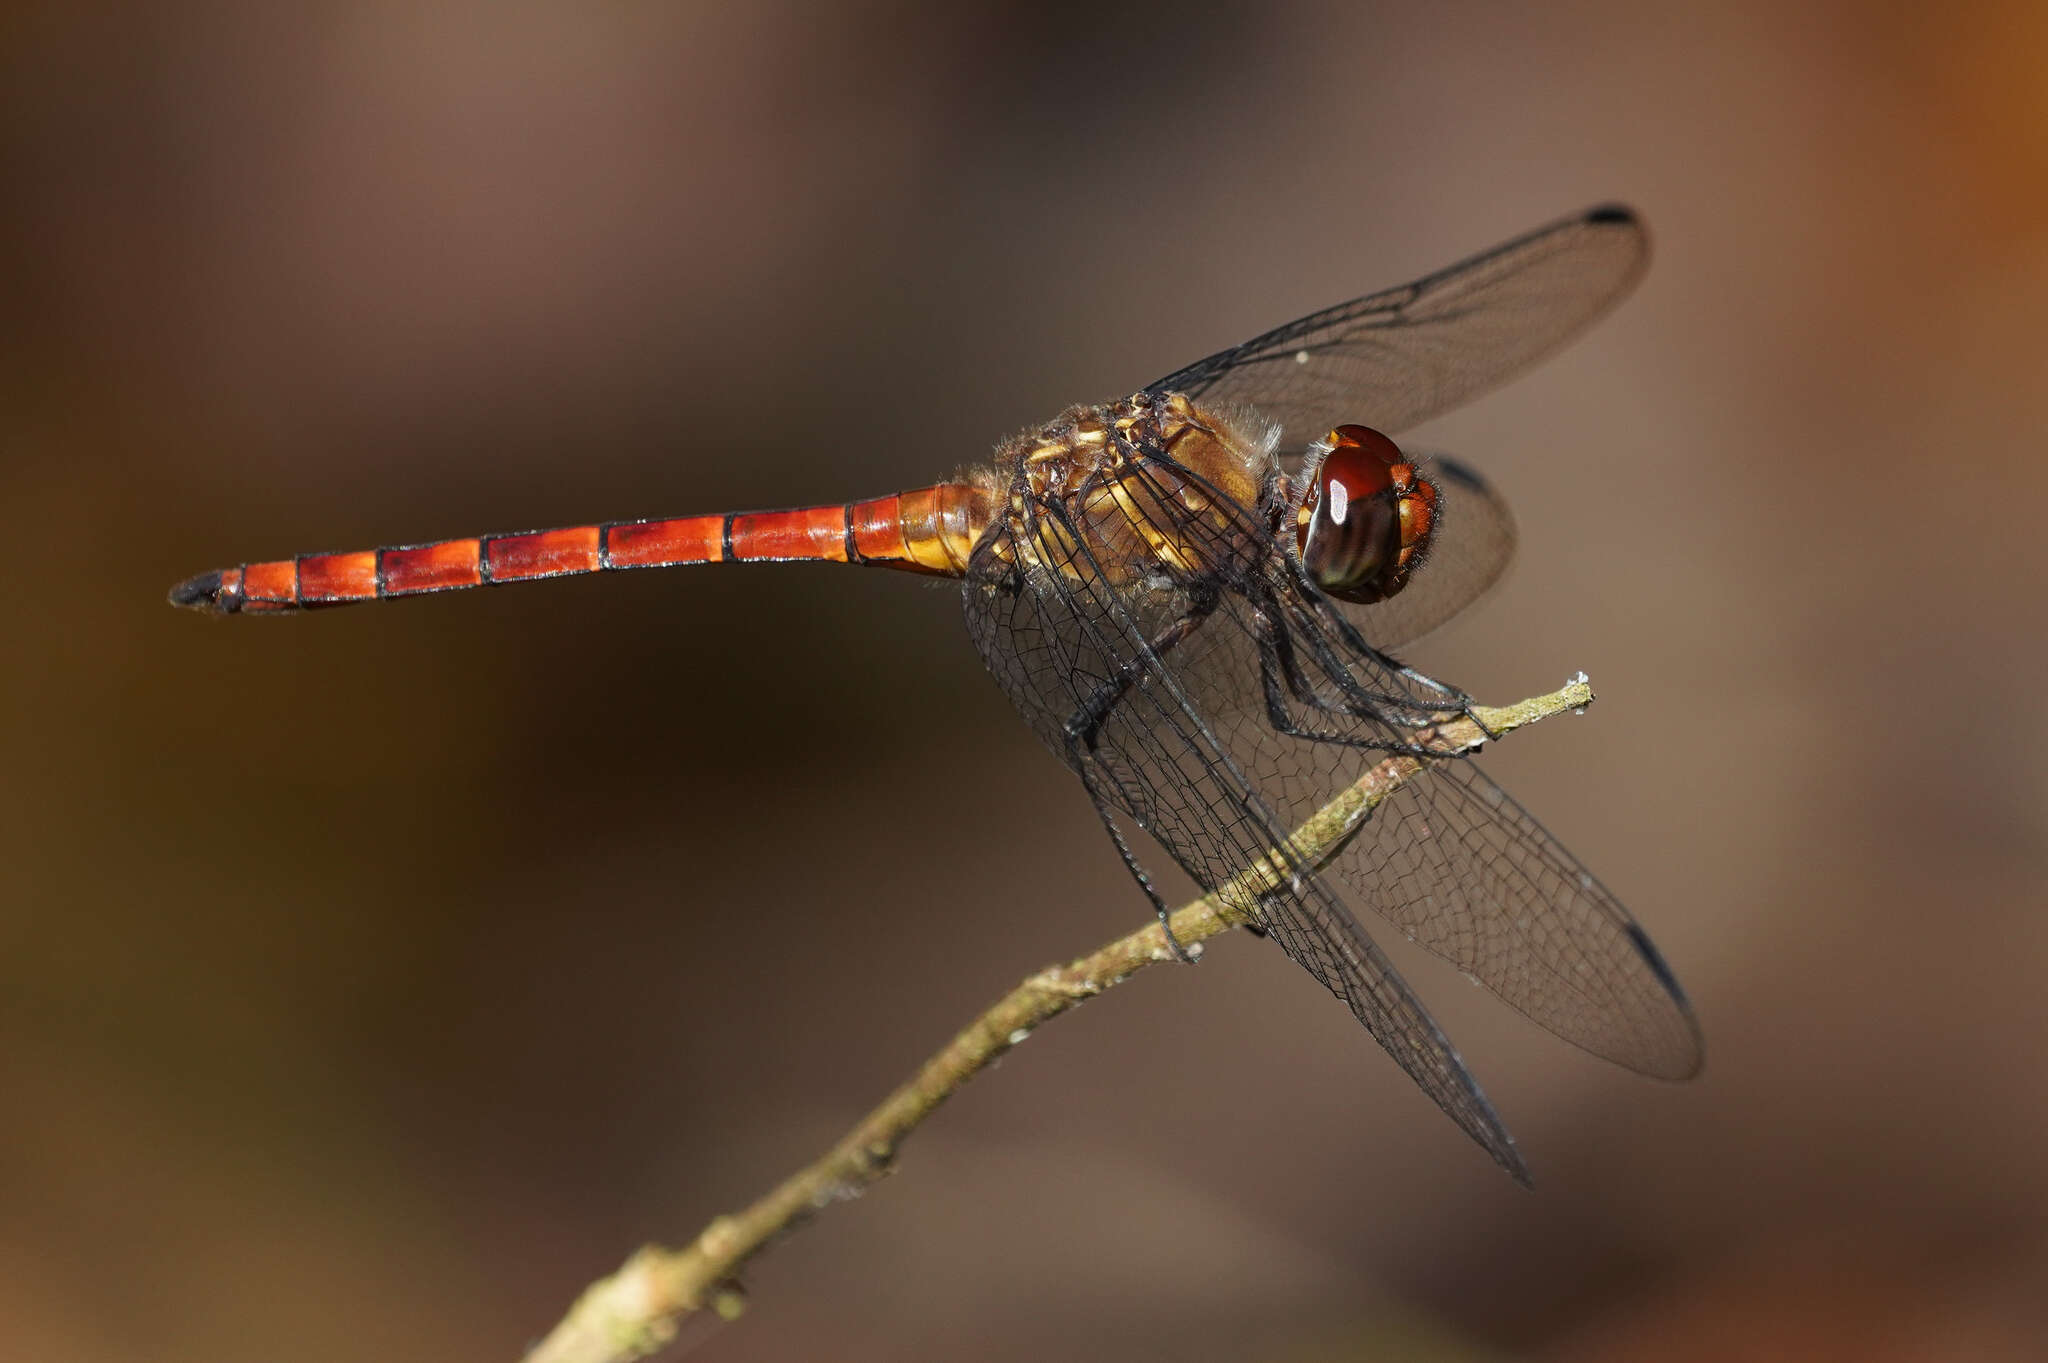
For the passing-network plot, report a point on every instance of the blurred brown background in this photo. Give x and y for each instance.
(369, 982)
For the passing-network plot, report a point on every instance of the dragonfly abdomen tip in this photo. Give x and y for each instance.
(198, 593)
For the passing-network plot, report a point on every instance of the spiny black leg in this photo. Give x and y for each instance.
(1270, 628)
(1347, 633)
(1277, 661)
(1084, 730)
(1086, 723)
(1083, 762)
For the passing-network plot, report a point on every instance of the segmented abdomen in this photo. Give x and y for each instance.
(927, 530)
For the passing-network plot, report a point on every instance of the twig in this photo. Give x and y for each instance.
(638, 1309)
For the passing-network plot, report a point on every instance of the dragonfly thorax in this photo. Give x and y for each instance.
(1091, 488)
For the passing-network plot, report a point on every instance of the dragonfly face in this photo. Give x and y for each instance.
(1365, 517)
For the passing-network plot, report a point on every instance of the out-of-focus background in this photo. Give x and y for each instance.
(371, 981)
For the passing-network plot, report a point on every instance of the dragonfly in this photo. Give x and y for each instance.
(1192, 595)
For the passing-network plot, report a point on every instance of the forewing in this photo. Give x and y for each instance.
(1231, 737)
(1396, 358)
(1172, 756)
(1450, 859)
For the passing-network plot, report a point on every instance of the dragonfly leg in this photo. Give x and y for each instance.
(1083, 762)
(1347, 634)
(1084, 731)
(1460, 702)
(1280, 678)
(1086, 723)
(1443, 689)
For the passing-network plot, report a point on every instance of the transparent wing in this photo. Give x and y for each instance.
(1396, 358)
(1450, 859)
(1469, 875)
(1234, 701)
(1054, 645)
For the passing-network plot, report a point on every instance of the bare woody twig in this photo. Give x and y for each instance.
(638, 1309)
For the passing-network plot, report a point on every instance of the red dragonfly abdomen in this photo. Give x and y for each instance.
(926, 530)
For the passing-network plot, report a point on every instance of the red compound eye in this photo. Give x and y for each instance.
(1366, 519)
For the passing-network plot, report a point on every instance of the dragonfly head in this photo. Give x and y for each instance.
(1365, 516)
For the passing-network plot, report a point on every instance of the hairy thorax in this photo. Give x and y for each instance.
(1087, 495)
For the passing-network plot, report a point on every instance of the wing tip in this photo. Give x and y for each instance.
(1687, 1063)
(1620, 217)
(1516, 1168)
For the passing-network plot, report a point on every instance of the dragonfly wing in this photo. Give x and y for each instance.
(1450, 859)
(1396, 358)
(1224, 737)
(1469, 875)
(1174, 756)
